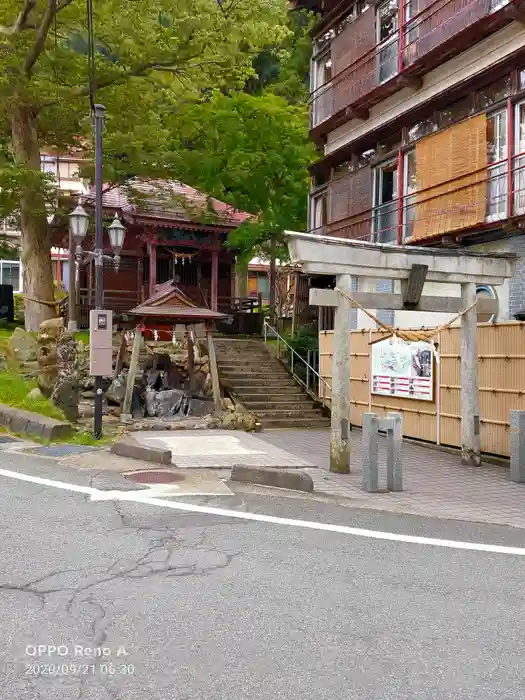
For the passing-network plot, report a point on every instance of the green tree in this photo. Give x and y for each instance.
(151, 57)
(253, 152)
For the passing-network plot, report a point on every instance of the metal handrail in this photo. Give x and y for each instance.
(309, 367)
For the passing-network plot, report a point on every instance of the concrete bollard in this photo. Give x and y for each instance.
(393, 424)
(370, 446)
(394, 442)
(517, 446)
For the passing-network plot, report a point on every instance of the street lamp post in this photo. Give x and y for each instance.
(99, 252)
(79, 221)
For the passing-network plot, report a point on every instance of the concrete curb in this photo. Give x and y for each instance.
(271, 476)
(18, 421)
(128, 447)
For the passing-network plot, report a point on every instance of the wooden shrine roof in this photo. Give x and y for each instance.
(168, 301)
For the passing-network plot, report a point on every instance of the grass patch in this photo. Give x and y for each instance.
(82, 336)
(84, 437)
(14, 390)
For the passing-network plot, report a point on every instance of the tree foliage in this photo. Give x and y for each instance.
(252, 152)
(252, 149)
(151, 58)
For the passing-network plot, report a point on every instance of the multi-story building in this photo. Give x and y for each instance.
(65, 168)
(419, 109)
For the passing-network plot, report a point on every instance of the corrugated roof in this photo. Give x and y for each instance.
(164, 199)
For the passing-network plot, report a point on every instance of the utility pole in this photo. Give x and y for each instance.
(99, 253)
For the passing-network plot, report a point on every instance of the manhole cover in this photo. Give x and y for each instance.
(152, 477)
(8, 438)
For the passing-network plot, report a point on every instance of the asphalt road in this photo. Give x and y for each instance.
(193, 606)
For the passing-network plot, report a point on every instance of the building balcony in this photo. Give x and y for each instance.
(416, 36)
(487, 203)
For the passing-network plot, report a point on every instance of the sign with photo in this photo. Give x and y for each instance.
(403, 369)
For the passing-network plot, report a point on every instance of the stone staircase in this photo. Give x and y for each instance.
(256, 378)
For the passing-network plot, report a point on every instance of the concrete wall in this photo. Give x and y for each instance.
(477, 59)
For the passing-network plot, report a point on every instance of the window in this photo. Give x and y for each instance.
(493, 93)
(486, 292)
(68, 170)
(385, 203)
(420, 129)
(322, 71)
(10, 274)
(318, 211)
(497, 170)
(49, 165)
(519, 160)
(409, 190)
(454, 113)
(263, 285)
(387, 38)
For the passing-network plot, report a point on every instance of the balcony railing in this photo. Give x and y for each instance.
(427, 34)
(493, 198)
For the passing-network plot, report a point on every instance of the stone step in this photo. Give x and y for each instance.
(239, 366)
(268, 387)
(313, 423)
(301, 404)
(267, 390)
(253, 375)
(310, 412)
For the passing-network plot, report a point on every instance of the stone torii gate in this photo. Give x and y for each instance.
(412, 266)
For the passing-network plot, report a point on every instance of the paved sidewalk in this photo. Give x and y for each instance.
(435, 482)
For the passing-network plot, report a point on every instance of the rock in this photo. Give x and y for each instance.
(116, 390)
(53, 327)
(23, 346)
(35, 395)
(149, 399)
(86, 410)
(169, 403)
(238, 419)
(65, 397)
(88, 395)
(199, 407)
(65, 392)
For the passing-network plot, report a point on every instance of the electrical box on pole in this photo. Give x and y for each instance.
(101, 343)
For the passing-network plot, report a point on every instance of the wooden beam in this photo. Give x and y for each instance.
(125, 415)
(214, 371)
(413, 286)
(394, 302)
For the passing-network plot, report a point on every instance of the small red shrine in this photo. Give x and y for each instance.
(168, 307)
(174, 232)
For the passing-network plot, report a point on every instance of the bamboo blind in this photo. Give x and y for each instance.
(451, 179)
(501, 375)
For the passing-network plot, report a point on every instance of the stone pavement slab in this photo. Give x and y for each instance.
(435, 482)
(220, 449)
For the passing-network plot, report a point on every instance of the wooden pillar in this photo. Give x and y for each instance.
(125, 416)
(213, 370)
(340, 425)
(470, 424)
(140, 277)
(191, 358)
(214, 278)
(152, 249)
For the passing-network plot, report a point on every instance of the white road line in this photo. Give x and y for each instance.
(141, 497)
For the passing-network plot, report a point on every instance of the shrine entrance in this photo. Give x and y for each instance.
(410, 268)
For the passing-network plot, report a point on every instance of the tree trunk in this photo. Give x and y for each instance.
(241, 280)
(35, 232)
